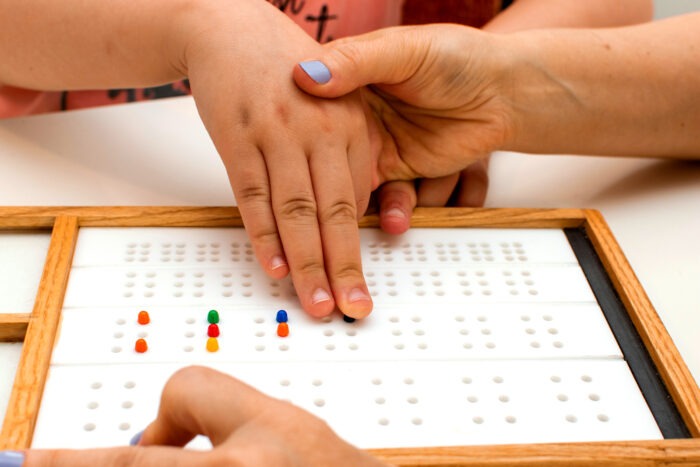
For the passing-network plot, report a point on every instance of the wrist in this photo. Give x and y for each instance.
(540, 99)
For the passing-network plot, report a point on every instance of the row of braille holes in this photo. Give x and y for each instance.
(435, 281)
(479, 252)
(412, 400)
(484, 331)
(419, 332)
(94, 405)
(502, 398)
(591, 396)
(130, 283)
(552, 331)
(119, 335)
(483, 283)
(389, 282)
(526, 281)
(442, 253)
(318, 402)
(513, 251)
(372, 284)
(189, 334)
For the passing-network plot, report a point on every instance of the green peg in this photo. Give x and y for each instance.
(213, 317)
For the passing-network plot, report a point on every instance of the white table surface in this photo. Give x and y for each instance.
(158, 153)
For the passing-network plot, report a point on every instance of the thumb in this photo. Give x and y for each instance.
(387, 56)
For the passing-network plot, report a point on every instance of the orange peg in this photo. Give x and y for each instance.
(282, 330)
(144, 318)
(141, 346)
(212, 344)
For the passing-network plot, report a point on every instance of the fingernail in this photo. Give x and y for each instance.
(317, 71)
(11, 458)
(277, 262)
(395, 212)
(357, 295)
(320, 296)
(136, 439)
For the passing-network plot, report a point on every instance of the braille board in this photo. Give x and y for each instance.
(492, 331)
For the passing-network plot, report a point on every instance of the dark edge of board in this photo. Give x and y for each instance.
(643, 369)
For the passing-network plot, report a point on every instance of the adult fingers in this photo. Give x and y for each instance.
(396, 202)
(202, 401)
(474, 184)
(436, 192)
(387, 56)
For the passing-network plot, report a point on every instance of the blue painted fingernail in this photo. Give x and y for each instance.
(11, 458)
(135, 439)
(317, 71)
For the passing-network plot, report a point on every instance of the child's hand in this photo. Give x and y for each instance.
(300, 167)
(245, 427)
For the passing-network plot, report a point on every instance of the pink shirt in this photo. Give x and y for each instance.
(322, 19)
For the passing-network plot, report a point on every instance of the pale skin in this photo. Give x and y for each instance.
(449, 95)
(299, 191)
(469, 186)
(246, 428)
(300, 184)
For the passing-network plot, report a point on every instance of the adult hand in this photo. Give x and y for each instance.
(398, 198)
(245, 427)
(440, 93)
(300, 167)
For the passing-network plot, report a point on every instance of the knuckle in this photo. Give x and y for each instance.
(339, 212)
(264, 236)
(177, 385)
(300, 207)
(253, 193)
(310, 267)
(348, 269)
(349, 54)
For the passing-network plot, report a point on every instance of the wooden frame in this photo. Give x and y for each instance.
(38, 329)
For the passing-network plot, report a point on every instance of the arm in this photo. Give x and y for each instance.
(622, 91)
(469, 187)
(448, 94)
(536, 14)
(299, 191)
